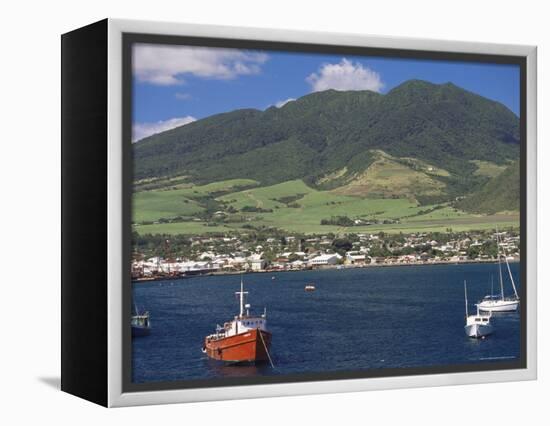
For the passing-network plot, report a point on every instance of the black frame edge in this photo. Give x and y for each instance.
(84, 212)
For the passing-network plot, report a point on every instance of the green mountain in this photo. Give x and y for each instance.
(500, 194)
(330, 139)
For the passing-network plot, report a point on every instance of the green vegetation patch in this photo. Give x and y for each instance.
(444, 213)
(150, 206)
(226, 185)
(267, 197)
(318, 205)
(181, 228)
(488, 169)
(500, 194)
(154, 205)
(466, 223)
(391, 177)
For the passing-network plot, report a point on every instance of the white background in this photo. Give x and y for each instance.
(30, 209)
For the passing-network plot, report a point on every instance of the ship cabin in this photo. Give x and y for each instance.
(478, 319)
(141, 320)
(242, 324)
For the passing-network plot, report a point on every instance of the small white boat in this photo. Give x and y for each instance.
(141, 324)
(309, 287)
(493, 303)
(479, 325)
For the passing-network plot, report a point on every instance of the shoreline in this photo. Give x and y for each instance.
(324, 267)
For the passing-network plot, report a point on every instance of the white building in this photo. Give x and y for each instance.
(325, 259)
(355, 258)
(256, 262)
(257, 265)
(290, 253)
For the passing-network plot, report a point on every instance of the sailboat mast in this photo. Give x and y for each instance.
(500, 268)
(512, 279)
(466, 298)
(510, 273)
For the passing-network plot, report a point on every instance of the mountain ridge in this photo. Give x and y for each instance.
(323, 132)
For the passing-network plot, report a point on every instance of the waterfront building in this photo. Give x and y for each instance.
(325, 259)
(355, 258)
(258, 264)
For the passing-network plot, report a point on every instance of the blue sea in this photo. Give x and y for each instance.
(357, 319)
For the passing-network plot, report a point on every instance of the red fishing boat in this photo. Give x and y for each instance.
(244, 339)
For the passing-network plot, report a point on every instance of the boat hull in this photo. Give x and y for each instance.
(250, 346)
(477, 331)
(499, 306)
(138, 331)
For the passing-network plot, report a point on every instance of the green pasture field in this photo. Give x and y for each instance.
(265, 197)
(153, 205)
(302, 214)
(457, 225)
(183, 228)
(169, 203)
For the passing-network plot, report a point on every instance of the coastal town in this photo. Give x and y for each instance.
(157, 257)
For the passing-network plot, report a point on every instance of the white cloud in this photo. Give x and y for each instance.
(142, 130)
(345, 75)
(281, 104)
(167, 65)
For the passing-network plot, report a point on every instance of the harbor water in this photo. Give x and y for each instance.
(356, 319)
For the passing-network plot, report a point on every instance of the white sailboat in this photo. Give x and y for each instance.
(493, 303)
(478, 325)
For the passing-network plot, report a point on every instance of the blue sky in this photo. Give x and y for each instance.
(175, 85)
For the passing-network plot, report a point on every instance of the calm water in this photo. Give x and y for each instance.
(357, 319)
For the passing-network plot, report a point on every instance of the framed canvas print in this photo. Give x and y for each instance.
(256, 212)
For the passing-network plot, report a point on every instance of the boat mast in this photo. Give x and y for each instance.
(512, 279)
(510, 273)
(500, 268)
(466, 298)
(241, 298)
